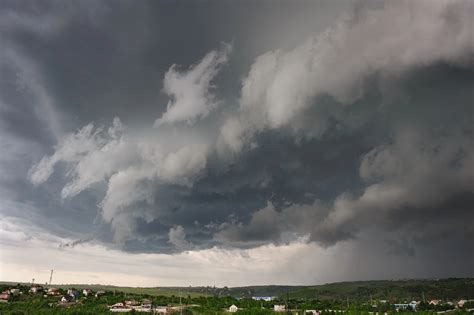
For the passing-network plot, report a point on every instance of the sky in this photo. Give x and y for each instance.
(231, 143)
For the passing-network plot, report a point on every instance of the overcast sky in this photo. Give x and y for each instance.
(152, 143)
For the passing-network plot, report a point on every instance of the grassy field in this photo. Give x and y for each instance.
(158, 291)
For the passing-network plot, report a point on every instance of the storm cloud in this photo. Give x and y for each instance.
(357, 132)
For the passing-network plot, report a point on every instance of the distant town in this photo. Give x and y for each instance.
(34, 298)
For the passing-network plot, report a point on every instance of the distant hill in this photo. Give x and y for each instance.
(449, 289)
(453, 288)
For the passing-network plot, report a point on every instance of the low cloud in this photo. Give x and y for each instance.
(177, 237)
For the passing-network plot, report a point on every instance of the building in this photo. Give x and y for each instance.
(162, 310)
(36, 288)
(87, 292)
(73, 293)
(279, 308)
(15, 291)
(233, 308)
(53, 292)
(263, 298)
(99, 293)
(66, 299)
(131, 303)
(4, 296)
(314, 312)
(434, 302)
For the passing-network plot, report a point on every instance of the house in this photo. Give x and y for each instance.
(233, 308)
(146, 301)
(4, 296)
(87, 292)
(414, 304)
(99, 293)
(53, 292)
(73, 293)
(118, 305)
(145, 307)
(263, 298)
(66, 299)
(434, 302)
(314, 312)
(406, 306)
(461, 302)
(36, 288)
(162, 310)
(279, 308)
(15, 291)
(131, 303)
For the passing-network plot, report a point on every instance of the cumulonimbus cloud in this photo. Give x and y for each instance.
(388, 42)
(190, 92)
(413, 167)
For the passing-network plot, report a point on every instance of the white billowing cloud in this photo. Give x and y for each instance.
(132, 168)
(177, 237)
(70, 149)
(388, 41)
(190, 91)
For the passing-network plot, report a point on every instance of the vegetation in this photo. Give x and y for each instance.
(347, 298)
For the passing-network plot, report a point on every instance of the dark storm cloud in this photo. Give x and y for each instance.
(336, 132)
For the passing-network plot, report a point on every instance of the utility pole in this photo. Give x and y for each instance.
(347, 299)
(51, 277)
(423, 294)
(287, 307)
(33, 281)
(180, 305)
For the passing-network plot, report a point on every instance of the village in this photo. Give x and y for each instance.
(120, 302)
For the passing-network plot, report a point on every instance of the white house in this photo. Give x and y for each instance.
(161, 309)
(66, 299)
(461, 302)
(15, 291)
(263, 298)
(279, 308)
(87, 292)
(99, 293)
(35, 288)
(118, 305)
(233, 308)
(53, 291)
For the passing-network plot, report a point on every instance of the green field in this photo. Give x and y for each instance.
(158, 291)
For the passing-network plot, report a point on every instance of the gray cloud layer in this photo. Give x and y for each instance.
(362, 130)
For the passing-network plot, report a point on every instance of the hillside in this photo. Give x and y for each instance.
(448, 289)
(453, 288)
